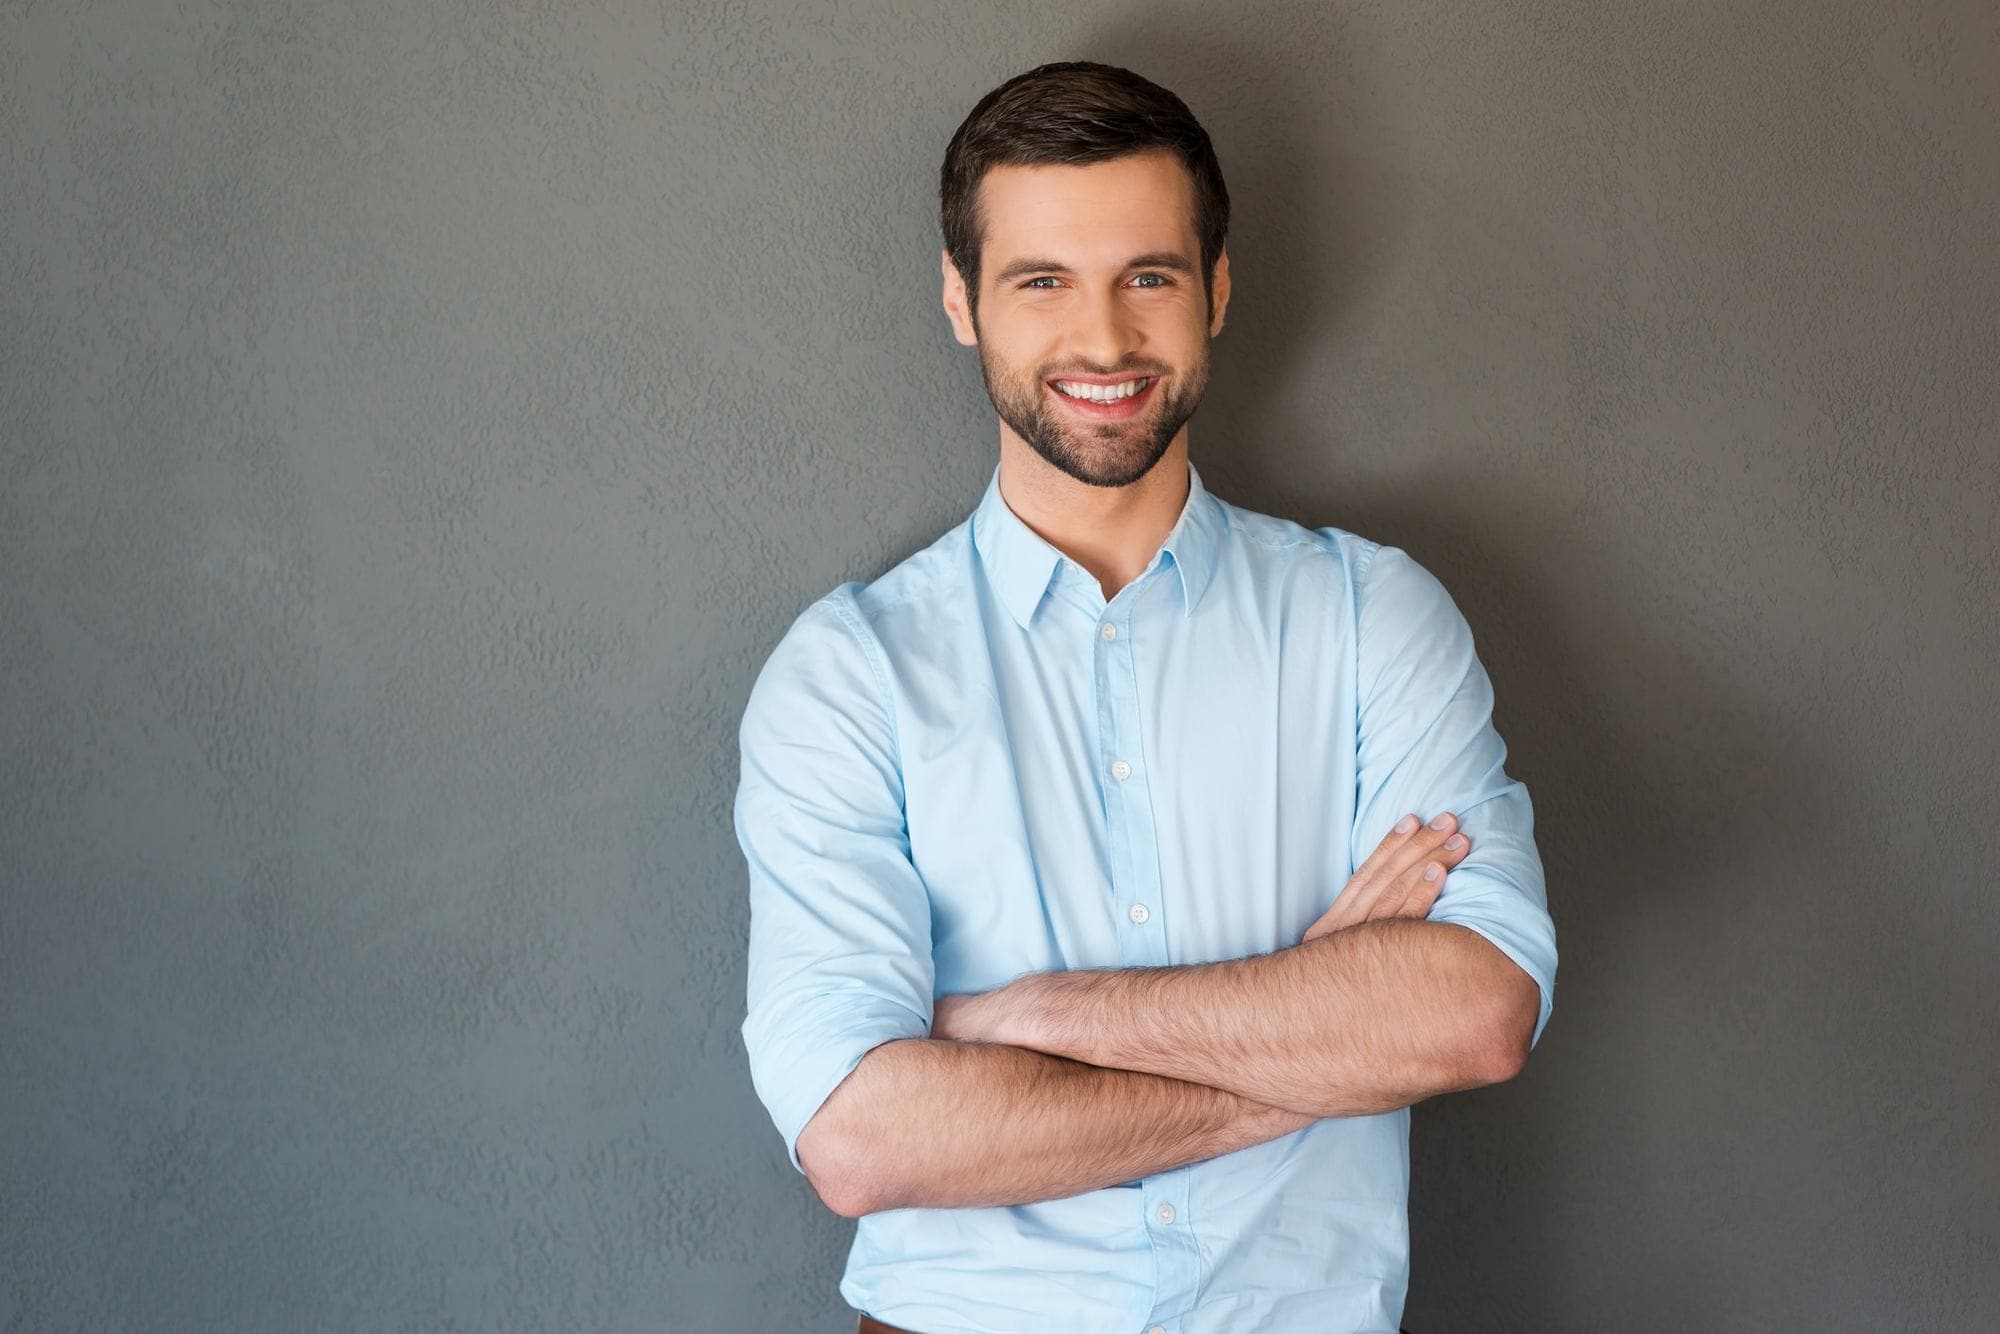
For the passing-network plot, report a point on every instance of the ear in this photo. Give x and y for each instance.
(955, 306)
(1219, 285)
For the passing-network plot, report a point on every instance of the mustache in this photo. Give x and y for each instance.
(1073, 372)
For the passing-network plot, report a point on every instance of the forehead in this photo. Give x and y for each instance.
(1102, 211)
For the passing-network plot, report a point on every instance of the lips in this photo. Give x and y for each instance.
(1119, 410)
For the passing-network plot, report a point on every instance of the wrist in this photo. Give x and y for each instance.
(1020, 1013)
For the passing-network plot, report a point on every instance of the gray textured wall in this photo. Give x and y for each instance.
(418, 421)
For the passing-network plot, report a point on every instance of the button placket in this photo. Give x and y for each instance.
(1168, 1221)
(1134, 867)
(1136, 896)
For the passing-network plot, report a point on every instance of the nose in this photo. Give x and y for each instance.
(1105, 332)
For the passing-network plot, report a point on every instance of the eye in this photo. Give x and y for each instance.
(1164, 280)
(1045, 278)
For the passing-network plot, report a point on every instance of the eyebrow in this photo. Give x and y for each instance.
(1158, 259)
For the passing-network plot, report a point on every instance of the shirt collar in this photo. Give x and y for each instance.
(1020, 562)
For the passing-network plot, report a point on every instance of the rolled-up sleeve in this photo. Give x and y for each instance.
(1427, 744)
(840, 956)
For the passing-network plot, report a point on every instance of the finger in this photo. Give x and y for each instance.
(1420, 888)
(1399, 834)
(1440, 840)
(1392, 901)
(1425, 897)
(1420, 891)
(1372, 876)
(1379, 886)
(1425, 844)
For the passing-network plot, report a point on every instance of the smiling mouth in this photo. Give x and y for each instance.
(1104, 402)
(1102, 393)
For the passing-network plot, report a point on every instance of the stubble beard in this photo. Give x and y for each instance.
(1095, 453)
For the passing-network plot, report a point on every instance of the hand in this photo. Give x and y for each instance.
(1391, 882)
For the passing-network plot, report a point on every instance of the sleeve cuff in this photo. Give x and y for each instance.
(796, 1066)
(1533, 952)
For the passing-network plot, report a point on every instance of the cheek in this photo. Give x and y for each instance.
(1025, 356)
(1012, 365)
(1183, 328)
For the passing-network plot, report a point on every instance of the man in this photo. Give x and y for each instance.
(1097, 950)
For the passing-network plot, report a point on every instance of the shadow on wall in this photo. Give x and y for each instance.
(1694, 1046)
(1695, 823)
(1292, 198)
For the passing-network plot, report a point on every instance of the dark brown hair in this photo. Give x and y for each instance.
(1074, 112)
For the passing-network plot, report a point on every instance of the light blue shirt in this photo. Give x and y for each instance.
(975, 767)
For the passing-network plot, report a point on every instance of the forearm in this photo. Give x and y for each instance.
(936, 1124)
(1365, 1020)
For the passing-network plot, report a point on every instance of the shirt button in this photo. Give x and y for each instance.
(1157, 1329)
(1109, 631)
(1138, 914)
(1121, 770)
(1165, 1213)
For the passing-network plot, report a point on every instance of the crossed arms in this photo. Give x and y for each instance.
(1061, 1083)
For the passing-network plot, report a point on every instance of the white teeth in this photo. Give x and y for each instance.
(1102, 393)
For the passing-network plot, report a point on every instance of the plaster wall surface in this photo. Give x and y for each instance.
(417, 422)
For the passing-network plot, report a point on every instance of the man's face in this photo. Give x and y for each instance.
(1090, 279)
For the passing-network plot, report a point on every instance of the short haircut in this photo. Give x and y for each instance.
(1075, 112)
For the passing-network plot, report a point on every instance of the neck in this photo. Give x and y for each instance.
(1112, 531)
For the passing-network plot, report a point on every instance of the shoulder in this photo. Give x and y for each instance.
(1385, 585)
(921, 615)
(911, 596)
(836, 655)
(1276, 544)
